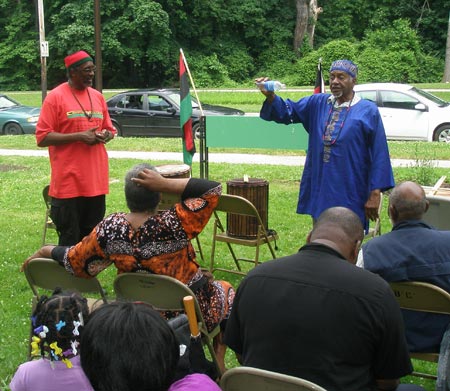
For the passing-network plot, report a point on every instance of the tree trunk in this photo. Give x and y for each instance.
(446, 78)
(301, 23)
(307, 14)
(314, 12)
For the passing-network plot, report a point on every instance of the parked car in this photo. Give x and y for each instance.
(156, 113)
(16, 118)
(409, 113)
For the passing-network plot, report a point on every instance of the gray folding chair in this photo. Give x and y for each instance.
(425, 297)
(48, 223)
(45, 275)
(164, 293)
(237, 205)
(254, 379)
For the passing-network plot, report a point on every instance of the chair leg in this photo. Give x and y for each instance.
(217, 224)
(199, 247)
(44, 234)
(213, 248)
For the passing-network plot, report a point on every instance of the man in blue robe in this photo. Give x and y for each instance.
(347, 162)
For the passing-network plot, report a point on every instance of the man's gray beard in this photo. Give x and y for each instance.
(338, 95)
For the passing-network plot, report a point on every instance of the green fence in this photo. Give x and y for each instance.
(253, 132)
(249, 132)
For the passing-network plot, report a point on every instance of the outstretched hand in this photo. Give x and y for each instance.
(268, 94)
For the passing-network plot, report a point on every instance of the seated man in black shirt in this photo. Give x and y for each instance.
(316, 316)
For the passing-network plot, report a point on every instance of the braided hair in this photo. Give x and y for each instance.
(57, 324)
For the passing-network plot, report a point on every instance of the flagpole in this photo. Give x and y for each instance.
(192, 81)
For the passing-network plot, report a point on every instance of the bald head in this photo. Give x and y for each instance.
(407, 202)
(341, 229)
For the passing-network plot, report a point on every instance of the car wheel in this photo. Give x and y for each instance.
(118, 128)
(196, 131)
(442, 134)
(12, 129)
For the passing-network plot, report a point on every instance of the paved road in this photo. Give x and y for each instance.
(215, 157)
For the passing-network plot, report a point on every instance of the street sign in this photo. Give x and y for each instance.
(44, 48)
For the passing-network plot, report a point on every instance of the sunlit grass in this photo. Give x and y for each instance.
(22, 180)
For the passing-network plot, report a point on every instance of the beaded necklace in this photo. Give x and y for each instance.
(86, 114)
(327, 138)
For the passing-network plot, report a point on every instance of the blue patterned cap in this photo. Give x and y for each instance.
(345, 66)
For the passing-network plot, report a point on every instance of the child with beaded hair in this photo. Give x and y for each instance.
(57, 324)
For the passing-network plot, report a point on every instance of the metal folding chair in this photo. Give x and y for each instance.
(164, 293)
(254, 379)
(48, 223)
(45, 275)
(425, 297)
(234, 204)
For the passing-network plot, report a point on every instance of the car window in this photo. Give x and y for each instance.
(134, 101)
(440, 102)
(122, 102)
(157, 103)
(5, 102)
(176, 99)
(397, 100)
(368, 95)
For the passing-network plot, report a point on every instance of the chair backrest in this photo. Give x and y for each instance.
(438, 214)
(48, 274)
(230, 203)
(421, 296)
(163, 292)
(47, 198)
(254, 379)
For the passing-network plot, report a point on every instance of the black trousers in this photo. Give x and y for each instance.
(75, 218)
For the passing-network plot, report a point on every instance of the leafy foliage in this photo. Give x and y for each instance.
(229, 41)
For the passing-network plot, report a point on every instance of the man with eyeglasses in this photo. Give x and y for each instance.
(75, 126)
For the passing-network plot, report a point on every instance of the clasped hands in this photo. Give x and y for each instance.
(95, 136)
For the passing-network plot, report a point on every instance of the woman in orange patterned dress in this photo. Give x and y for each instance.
(148, 240)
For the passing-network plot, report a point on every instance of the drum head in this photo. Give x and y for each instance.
(174, 170)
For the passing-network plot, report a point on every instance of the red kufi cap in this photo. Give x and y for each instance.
(77, 58)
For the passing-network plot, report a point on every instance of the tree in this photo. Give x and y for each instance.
(446, 77)
(307, 14)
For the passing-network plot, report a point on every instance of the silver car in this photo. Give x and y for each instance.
(409, 113)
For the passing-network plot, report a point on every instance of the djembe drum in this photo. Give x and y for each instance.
(257, 192)
(172, 171)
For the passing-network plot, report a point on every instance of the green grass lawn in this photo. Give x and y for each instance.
(23, 178)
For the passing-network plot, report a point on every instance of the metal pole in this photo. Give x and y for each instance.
(98, 46)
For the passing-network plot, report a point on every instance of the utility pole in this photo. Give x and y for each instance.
(98, 46)
(43, 44)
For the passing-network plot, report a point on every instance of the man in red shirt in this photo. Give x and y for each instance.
(75, 125)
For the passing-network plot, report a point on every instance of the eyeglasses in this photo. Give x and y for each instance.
(87, 71)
